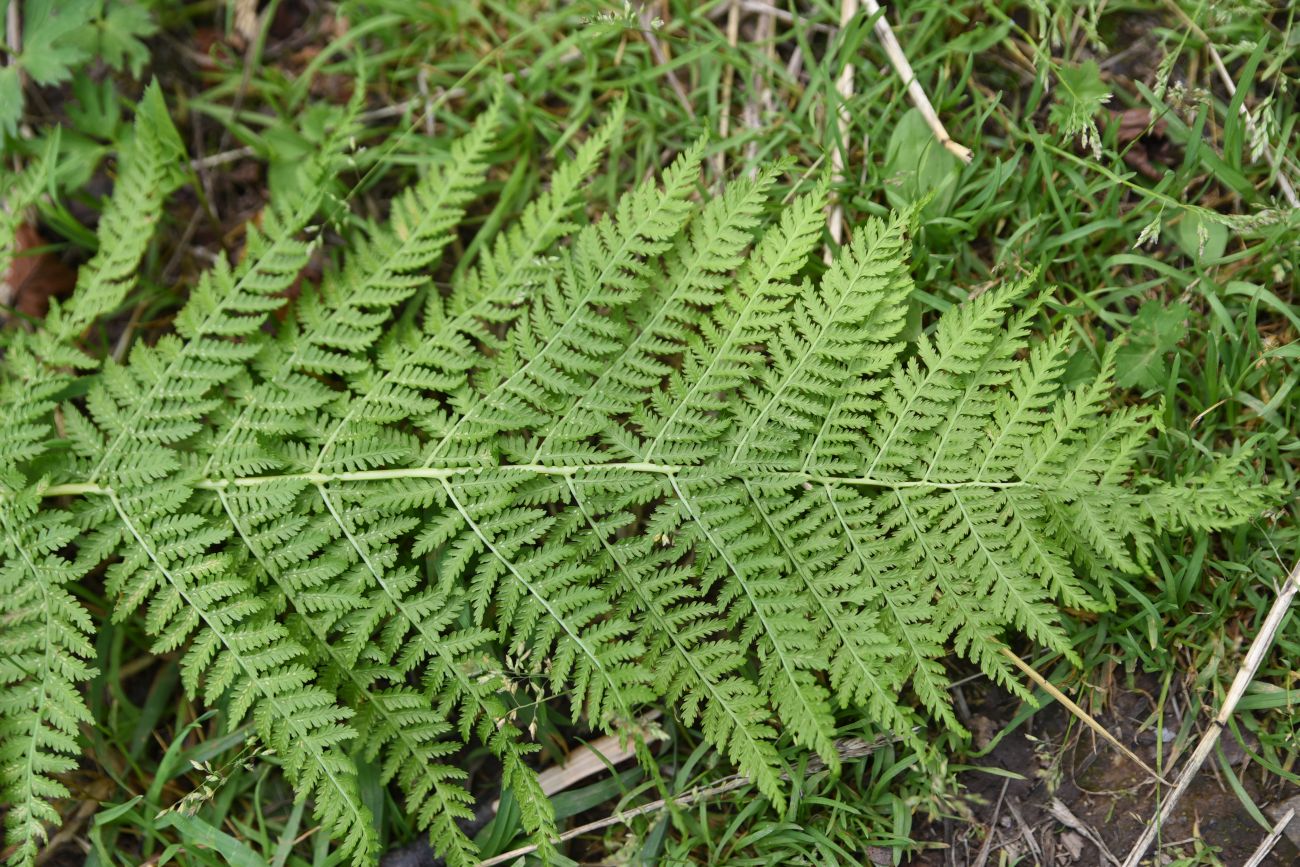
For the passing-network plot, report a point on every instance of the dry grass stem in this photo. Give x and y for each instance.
(914, 90)
(1254, 658)
(1082, 714)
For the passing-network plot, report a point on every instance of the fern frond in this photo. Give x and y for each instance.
(150, 171)
(127, 444)
(844, 328)
(19, 192)
(239, 652)
(696, 665)
(659, 457)
(694, 272)
(397, 722)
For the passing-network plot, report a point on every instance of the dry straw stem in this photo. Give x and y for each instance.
(661, 60)
(1254, 658)
(839, 158)
(844, 87)
(1083, 715)
(427, 101)
(728, 77)
(1062, 814)
(1266, 845)
(914, 91)
(600, 755)
(982, 857)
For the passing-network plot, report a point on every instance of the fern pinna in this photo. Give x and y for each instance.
(643, 459)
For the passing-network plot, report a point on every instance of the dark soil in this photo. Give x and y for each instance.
(1078, 794)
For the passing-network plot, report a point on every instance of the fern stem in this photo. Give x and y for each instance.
(77, 489)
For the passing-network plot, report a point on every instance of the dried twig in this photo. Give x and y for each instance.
(728, 77)
(1062, 814)
(246, 19)
(1079, 712)
(914, 91)
(774, 12)
(983, 856)
(599, 755)
(1025, 831)
(1266, 845)
(1254, 658)
(760, 91)
(426, 101)
(661, 59)
(14, 37)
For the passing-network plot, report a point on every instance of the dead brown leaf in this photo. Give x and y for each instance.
(35, 275)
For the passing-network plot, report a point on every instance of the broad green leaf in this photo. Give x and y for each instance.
(917, 166)
(1154, 333)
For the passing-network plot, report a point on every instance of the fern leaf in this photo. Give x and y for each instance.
(653, 458)
(241, 653)
(398, 722)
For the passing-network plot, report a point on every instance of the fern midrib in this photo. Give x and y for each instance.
(90, 488)
(951, 592)
(1077, 463)
(754, 295)
(269, 695)
(1027, 404)
(1002, 578)
(829, 419)
(793, 374)
(647, 334)
(975, 388)
(931, 374)
(1071, 411)
(904, 627)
